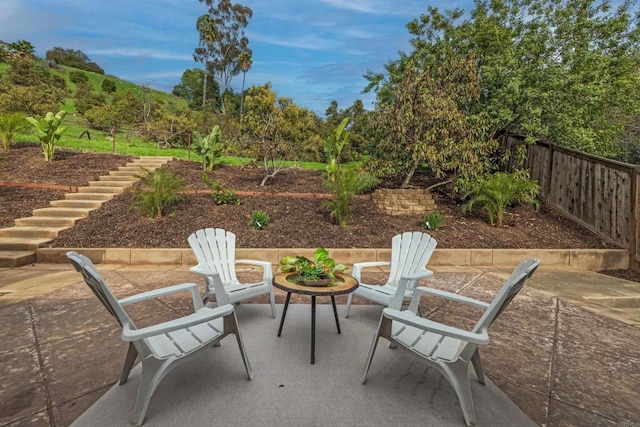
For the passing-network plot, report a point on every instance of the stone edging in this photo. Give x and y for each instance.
(584, 259)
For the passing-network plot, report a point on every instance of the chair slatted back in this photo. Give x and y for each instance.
(509, 290)
(99, 287)
(215, 248)
(410, 254)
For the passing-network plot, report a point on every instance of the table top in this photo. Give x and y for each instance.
(344, 284)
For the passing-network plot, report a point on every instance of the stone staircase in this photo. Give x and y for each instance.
(18, 244)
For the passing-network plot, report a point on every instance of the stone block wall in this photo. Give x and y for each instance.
(404, 201)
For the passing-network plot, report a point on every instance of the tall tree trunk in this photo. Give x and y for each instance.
(244, 74)
(204, 87)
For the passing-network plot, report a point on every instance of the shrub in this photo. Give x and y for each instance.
(259, 219)
(10, 125)
(108, 86)
(219, 195)
(158, 192)
(431, 220)
(78, 77)
(494, 193)
(49, 131)
(208, 147)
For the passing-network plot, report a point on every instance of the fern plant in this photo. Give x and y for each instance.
(494, 193)
(158, 192)
(259, 219)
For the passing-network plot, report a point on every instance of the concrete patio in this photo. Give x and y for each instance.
(566, 352)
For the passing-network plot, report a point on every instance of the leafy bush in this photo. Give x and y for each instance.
(494, 193)
(259, 219)
(431, 220)
(108, 86)
(10, 125)
(49, 131)
(219, 195)
(78, 77)
(208, 147)
(158, 192)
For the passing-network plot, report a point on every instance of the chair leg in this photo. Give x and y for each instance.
(348, 304)
(272, 297)
(231, 326)
(458, 375)
(384, 326)
(152, 373)
(132, 353)
(477, 366)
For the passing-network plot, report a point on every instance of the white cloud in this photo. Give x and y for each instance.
(136, 52)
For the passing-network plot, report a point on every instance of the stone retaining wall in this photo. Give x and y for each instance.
(404, 201)
(584, 259)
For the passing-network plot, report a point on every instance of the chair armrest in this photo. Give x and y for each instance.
(446, 295)
(409, 318)
(266, 266)
(161, 292)
(212, 279)
(202, 315)
(422, 275)
(358, 266)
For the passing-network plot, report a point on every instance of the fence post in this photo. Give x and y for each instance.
(633, 222)
(547, 185)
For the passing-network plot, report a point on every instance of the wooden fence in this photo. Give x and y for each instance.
(598, 193)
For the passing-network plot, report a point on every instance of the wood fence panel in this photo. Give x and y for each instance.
(600, 194)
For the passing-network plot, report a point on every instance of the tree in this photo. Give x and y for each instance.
(568, 72)
(245, 64)
(222, 39)
(191, 88)
(108, 86)
(78, 77)
(73, 58)
(428, 121)
(261, 127)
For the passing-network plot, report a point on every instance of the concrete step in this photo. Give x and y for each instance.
(11, 259)
(45, 221)
(125, 173)
(103, 189)
(135, 169)
(145, 164)
(22, 243)
(31, 232)
(89, 196)
(108, 183)
(117, 178)
(70, 212)
(76, 204)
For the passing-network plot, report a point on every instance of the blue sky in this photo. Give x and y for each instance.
(313, 51)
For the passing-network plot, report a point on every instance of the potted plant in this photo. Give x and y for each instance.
(319, 272)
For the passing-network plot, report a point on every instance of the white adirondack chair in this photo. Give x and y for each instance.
(410, 253)
(215, 251)
(163, 346)
(446, 348)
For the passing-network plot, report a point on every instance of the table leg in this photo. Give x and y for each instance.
(335, 311)
(284, 312)
(313, 329)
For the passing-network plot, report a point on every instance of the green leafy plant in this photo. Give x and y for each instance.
(158, 192)
(49, 131)
(259, 219)
(494, 193)
(108, 86)
(10, 125)
(333, 146)
(78, 77)
(322, 267)
(219, 195)
(346, 183)
(209, 147)
(431, 220)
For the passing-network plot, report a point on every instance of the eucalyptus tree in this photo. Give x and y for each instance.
(245, 64)
(222, 39)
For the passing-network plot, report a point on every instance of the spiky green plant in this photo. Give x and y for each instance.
(159, 191)
(259, 219)
(494, 193)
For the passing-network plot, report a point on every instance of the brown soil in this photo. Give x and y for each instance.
(295, 222)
